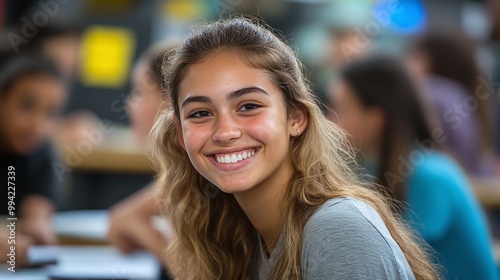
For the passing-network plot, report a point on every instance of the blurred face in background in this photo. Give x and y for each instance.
(29, 111)
(143, 102)
(64, 50)
(418, 65)
(364, 125)
(344, 48)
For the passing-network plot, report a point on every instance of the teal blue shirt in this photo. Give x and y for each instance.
(444, 210)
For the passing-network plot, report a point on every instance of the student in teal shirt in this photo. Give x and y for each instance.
(379, 106)
(445, 212)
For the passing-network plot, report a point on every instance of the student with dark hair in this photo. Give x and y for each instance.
(32, 93)
(380, 107)
(60, 43)
(445, 63)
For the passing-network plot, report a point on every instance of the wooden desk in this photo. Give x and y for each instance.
(487, 191)
(115, 152)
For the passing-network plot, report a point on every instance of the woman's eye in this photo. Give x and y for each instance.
(199, 114)
(249, 106)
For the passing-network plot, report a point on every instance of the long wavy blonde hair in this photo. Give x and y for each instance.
(212, 237)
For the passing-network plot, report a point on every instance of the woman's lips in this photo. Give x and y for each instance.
(235, 156)
(234, 160)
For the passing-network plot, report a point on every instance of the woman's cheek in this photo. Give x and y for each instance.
(195, 136)
(267, 127)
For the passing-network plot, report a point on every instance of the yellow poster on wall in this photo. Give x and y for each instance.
(107, 53)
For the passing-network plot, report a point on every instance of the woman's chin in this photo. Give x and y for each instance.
(233, 187)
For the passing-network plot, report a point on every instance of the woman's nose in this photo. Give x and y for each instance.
(226, 130)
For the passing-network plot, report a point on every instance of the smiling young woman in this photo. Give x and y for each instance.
(257, 183)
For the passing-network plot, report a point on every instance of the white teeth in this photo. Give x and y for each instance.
(233, 158)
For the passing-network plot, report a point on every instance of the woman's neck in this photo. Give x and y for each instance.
(262, 203)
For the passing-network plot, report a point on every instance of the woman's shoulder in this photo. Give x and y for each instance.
(432, 160)
(428, 167)
(343, 219)
(437, 167)
(347, 234)
(344, 210)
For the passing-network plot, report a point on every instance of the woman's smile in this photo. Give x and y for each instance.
(233, 159)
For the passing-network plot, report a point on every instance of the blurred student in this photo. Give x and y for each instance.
(445, 63)
(32, 94)
(378, 104)
(60, 43)
(130, 220)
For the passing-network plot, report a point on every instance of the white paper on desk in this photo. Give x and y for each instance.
(93, 224)
(102, 262)
(86, 224)
(31, 274)
(42, 254)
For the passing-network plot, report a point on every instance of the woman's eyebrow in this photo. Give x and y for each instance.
(246, 90)
(232, 95)
(193, 99)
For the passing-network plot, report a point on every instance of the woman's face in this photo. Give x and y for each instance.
(233, 123)
(418, 64)
(28, 112)
(64, 51)
(363, 125)
(143, 102)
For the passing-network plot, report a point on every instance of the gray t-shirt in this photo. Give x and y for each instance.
(345, 239)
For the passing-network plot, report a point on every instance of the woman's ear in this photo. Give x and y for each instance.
(180, 137)
(299, 120)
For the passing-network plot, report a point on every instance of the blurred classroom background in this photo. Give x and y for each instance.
(96, 44)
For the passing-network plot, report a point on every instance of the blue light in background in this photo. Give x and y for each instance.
(411, 18)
